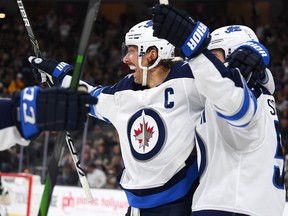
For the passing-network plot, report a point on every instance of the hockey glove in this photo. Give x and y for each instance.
(177, 27)
(53, 109)
(57, 70)
(39, 75)
(251, 59)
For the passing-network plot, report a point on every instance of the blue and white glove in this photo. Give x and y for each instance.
(57, 70)
(251, 58)
(53, 109)
(177, 27)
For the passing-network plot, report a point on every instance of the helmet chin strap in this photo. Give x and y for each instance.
(132, 67)
(144, 76)
(146, 69)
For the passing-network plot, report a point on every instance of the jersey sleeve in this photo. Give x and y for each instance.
(105, 107)
(8, 131)
(224, 88)
(11, 137)
(268, 81)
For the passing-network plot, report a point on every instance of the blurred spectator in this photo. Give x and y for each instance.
(64, 28)
(16, 84)
(101, 153)
(89, 155)
(96, 175)
(115, 164)
(93, 47)
(9, 160)
(68, 174)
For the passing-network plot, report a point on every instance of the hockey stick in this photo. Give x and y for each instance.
(32, 38)
(69, 140)
(50, 180)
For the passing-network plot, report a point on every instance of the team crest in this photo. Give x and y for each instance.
(146, 134)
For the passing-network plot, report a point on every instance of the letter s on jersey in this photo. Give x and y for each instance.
(271, 104)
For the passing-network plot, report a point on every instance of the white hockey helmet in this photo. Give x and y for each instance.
(141, 35)
(229, 38)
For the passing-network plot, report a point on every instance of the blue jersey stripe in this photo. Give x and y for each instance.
(202, 150)
(171, 194)
(242, 111)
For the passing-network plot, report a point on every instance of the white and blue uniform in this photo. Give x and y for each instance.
(239, 145)
(156, 131)
(9, 134)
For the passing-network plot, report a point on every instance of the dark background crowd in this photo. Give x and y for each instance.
(58, 25)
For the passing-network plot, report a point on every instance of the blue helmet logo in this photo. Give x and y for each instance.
(232, 29)
(149, 24)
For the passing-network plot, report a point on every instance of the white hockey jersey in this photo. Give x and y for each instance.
(239, 143)
(9, 134)
(156, 131)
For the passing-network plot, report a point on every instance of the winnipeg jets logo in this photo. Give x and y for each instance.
(143, 134)
(233, 29)
(146, 134)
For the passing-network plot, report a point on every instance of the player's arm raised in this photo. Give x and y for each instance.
(227, 89)
(61, 73)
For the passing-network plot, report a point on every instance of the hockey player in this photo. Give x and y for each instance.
(226, 40)
(35, 110)
(153, 110)
(241, 168)
(156, 127)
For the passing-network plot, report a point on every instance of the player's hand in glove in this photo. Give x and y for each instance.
(40, 76)
(53, 109)
(57, 70)
(177, 27)
(251, 59)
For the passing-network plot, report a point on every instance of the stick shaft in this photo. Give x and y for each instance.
(50, 181)
(32, 38)
(80, 171)
(29, 29)
(93, 9)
